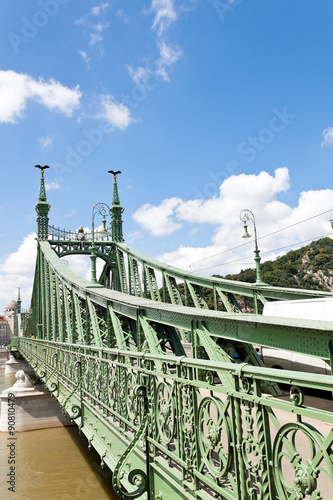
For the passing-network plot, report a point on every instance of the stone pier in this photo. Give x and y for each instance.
(4, 355)
(12, 366)
(29, 408)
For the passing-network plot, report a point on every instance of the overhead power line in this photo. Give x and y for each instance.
(260, 238)
(263, 253)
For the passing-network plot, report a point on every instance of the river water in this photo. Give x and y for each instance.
(52, 464)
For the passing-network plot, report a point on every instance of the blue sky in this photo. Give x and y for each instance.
(206, 106)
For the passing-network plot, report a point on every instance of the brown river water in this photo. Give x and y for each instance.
(52, 464)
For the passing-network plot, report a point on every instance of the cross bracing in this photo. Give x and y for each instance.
(147, 370)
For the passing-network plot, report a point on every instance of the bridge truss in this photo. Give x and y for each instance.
(148, 372)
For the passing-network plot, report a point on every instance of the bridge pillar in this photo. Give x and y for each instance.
(27, 408)
(12, 366)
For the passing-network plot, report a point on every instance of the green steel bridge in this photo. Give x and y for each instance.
(171, 393)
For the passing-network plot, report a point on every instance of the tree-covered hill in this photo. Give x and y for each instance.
(308, 267)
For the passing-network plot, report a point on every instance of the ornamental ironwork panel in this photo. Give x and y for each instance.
(167, 430)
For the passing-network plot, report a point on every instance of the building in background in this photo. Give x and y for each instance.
(4, 331)
(8, 322)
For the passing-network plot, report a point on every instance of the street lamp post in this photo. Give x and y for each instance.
(101, 209)
(244, 216)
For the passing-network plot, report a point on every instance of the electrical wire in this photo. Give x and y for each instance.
(260, 238)
(263, 253)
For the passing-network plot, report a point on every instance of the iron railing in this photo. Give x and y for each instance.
(57, 234)
(183, 433)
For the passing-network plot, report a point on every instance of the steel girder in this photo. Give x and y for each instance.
(70, 310)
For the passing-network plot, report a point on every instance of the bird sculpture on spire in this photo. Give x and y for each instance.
(42, 168)
(114, 173)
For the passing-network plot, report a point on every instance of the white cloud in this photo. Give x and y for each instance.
(123, 16)
(71, 213)
(165, 14)
(23, 260)
(95, 28)
(96, 11)
(85, 57)
(235, 192)
(131, 237)
(226, 251)
(17, 88)
(117, 114)
(19, 268)
(157, 219)
(101, 27)
(9, 283)
(139, 75)
(50, 186)
(168, 57)
(328, 136)
(99, 9)
(95, 38)
(46, 142)
(79, 264)
(18, 271)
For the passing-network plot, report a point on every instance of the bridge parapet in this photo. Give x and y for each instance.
(203, 427)
(186, 433)
(56, 234)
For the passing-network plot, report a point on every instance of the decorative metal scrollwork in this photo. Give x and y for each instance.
(165, 412)
(246, 384)
(136, 477)
(98, 378)
(52, 386)
(296, 395)
(297, 468)
(131, 397)
(76, 410)
(87, 377)
(112, 386)
(214, 436)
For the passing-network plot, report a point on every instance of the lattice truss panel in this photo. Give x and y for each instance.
(69, 313)
(68, 309)
(131, 272)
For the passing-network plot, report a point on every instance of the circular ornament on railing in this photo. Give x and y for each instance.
(297, 467)
(112, 385)
(52, 387)
(297, 395)
(246, 385)
(131, 397)
(184, 372)
(210, 377)
(76, 370)
(214, 436)
(165, 412)
(98, 378)
(87, 374)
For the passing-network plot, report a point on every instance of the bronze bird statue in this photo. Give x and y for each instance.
(42, 168)
(114, 173)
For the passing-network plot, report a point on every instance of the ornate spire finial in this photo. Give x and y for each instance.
(116, 211)
(115, 200)
(42, 192)
(42, 207)
(18, 302)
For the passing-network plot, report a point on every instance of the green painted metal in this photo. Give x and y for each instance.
(168, 425)
(42, 209)
(192, 438)
(116, 212)
(245, 216)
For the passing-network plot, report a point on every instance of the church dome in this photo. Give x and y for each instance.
(11, 304)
